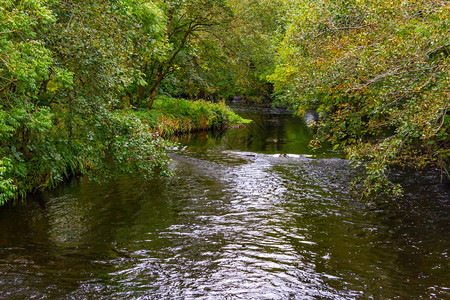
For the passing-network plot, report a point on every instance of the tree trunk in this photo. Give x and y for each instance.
(140, 93)
(152, 97)
(154, 89)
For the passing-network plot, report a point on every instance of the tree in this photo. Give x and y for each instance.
(378, 73)
(257, 30)
(183, 19)
(64, 66)
(233, 58)
(97, 42)
(25, 64)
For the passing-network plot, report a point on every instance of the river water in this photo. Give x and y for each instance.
(251, 213)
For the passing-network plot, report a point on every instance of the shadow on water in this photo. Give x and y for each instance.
(238, 220)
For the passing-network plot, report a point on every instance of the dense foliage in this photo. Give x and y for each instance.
(66, 70)
(235, 57)
(378, 73)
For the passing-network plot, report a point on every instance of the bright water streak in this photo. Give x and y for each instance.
(230, 224)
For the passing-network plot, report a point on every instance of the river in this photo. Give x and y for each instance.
(251, 213)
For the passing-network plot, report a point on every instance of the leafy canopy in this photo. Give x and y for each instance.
(378, 72)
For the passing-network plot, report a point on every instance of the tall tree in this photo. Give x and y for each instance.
(183, 19)
(378, 73)
(234, 59)
(63, 68)
(26, 65)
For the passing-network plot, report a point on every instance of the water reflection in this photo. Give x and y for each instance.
(272, 131)
(229, 224)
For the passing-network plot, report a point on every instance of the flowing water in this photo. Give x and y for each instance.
(251, 213)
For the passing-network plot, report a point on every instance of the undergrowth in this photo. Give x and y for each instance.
(174, 116)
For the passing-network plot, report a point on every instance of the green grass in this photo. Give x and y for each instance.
(174, 116)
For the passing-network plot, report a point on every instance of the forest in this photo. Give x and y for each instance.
(92, 87)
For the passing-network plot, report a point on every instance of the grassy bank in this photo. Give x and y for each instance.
(174, 116)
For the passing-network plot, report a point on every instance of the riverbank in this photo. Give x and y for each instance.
(126, 141)
(171, 116)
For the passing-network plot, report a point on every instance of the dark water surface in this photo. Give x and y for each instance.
(239, 220)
